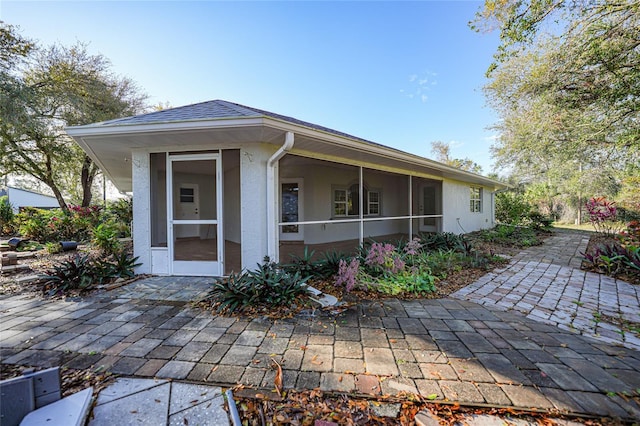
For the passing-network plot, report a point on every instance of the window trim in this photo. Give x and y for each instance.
(349, 201)
(475, 199)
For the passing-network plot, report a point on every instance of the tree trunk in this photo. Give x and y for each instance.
(59, 197)
(89, 171)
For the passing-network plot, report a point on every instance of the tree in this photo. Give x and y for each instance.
(51, 88)
(568, 97)
(442, 151)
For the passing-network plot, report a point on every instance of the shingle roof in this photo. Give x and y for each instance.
(216, 109)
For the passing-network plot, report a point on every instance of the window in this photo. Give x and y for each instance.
(187, 195)
(346, 201)
(475, 202)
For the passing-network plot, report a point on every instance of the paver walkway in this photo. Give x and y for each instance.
(546, 284)
(456, 349)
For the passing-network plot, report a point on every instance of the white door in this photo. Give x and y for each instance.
(187, 198)
(194, 193)
(429, 205)
(291, 209)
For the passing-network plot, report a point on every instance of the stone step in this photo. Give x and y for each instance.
(12, 269)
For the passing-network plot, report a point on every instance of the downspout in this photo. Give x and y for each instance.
(272, 202)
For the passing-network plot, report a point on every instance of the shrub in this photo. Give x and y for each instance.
(81, 272)
(269, 285)
(105, 238)
(603, 215)
(329, 265)
(122, 212)
(512, 207)
(303, 264)
(75, 273)
(7, 225)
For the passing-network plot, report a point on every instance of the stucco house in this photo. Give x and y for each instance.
(217, 186)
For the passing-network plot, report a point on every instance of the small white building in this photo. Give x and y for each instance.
(217, 186)
(19, 198)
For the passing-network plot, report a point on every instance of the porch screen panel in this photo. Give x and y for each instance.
(158, 188)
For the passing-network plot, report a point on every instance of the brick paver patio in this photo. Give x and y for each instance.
(456, 349)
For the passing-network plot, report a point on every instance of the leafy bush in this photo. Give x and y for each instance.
(621, 256)
(105, 238)
(512, 208)
(6, 216)
(329, 265)
(82, 272)
(269, 285)
(122, 213)
(603, 215)
(75, 273)
(303, 264)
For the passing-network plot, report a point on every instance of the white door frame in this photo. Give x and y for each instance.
(194, 267)
(292, 236)
(436, 199)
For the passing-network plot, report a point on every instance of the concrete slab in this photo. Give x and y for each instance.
(186, 395)
(124, 387)
(210, 413)
(69, 411)
(148, 407)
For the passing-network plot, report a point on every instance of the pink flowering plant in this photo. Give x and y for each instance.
(348, 274)
(603, 215)
(388, 269)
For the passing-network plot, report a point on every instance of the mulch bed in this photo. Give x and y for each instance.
(71, 380)
(599, 240)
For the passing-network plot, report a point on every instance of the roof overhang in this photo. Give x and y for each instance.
(110, 146)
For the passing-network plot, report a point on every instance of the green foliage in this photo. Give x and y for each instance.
(122, 212)
(442, 151)
(105, 238)
(302, 264)
(6, 216)
(81, 272)
(619, 257)
(75, 273)
(123, 264)
(406, 282)
(568, 100)
(329, 264)
(53, 248)
(269, 285)
(410, 267)
(511, 235)
(511, 207)
(77, 224)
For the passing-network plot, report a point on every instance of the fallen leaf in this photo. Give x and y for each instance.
(133, 411)
(157, 400)
(432, 396)
(277, 380)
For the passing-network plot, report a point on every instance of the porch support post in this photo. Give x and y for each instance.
(361, 196)
(410, 208)
(272, 197)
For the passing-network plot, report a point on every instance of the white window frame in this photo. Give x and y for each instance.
(348, 197)
(475, 199)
